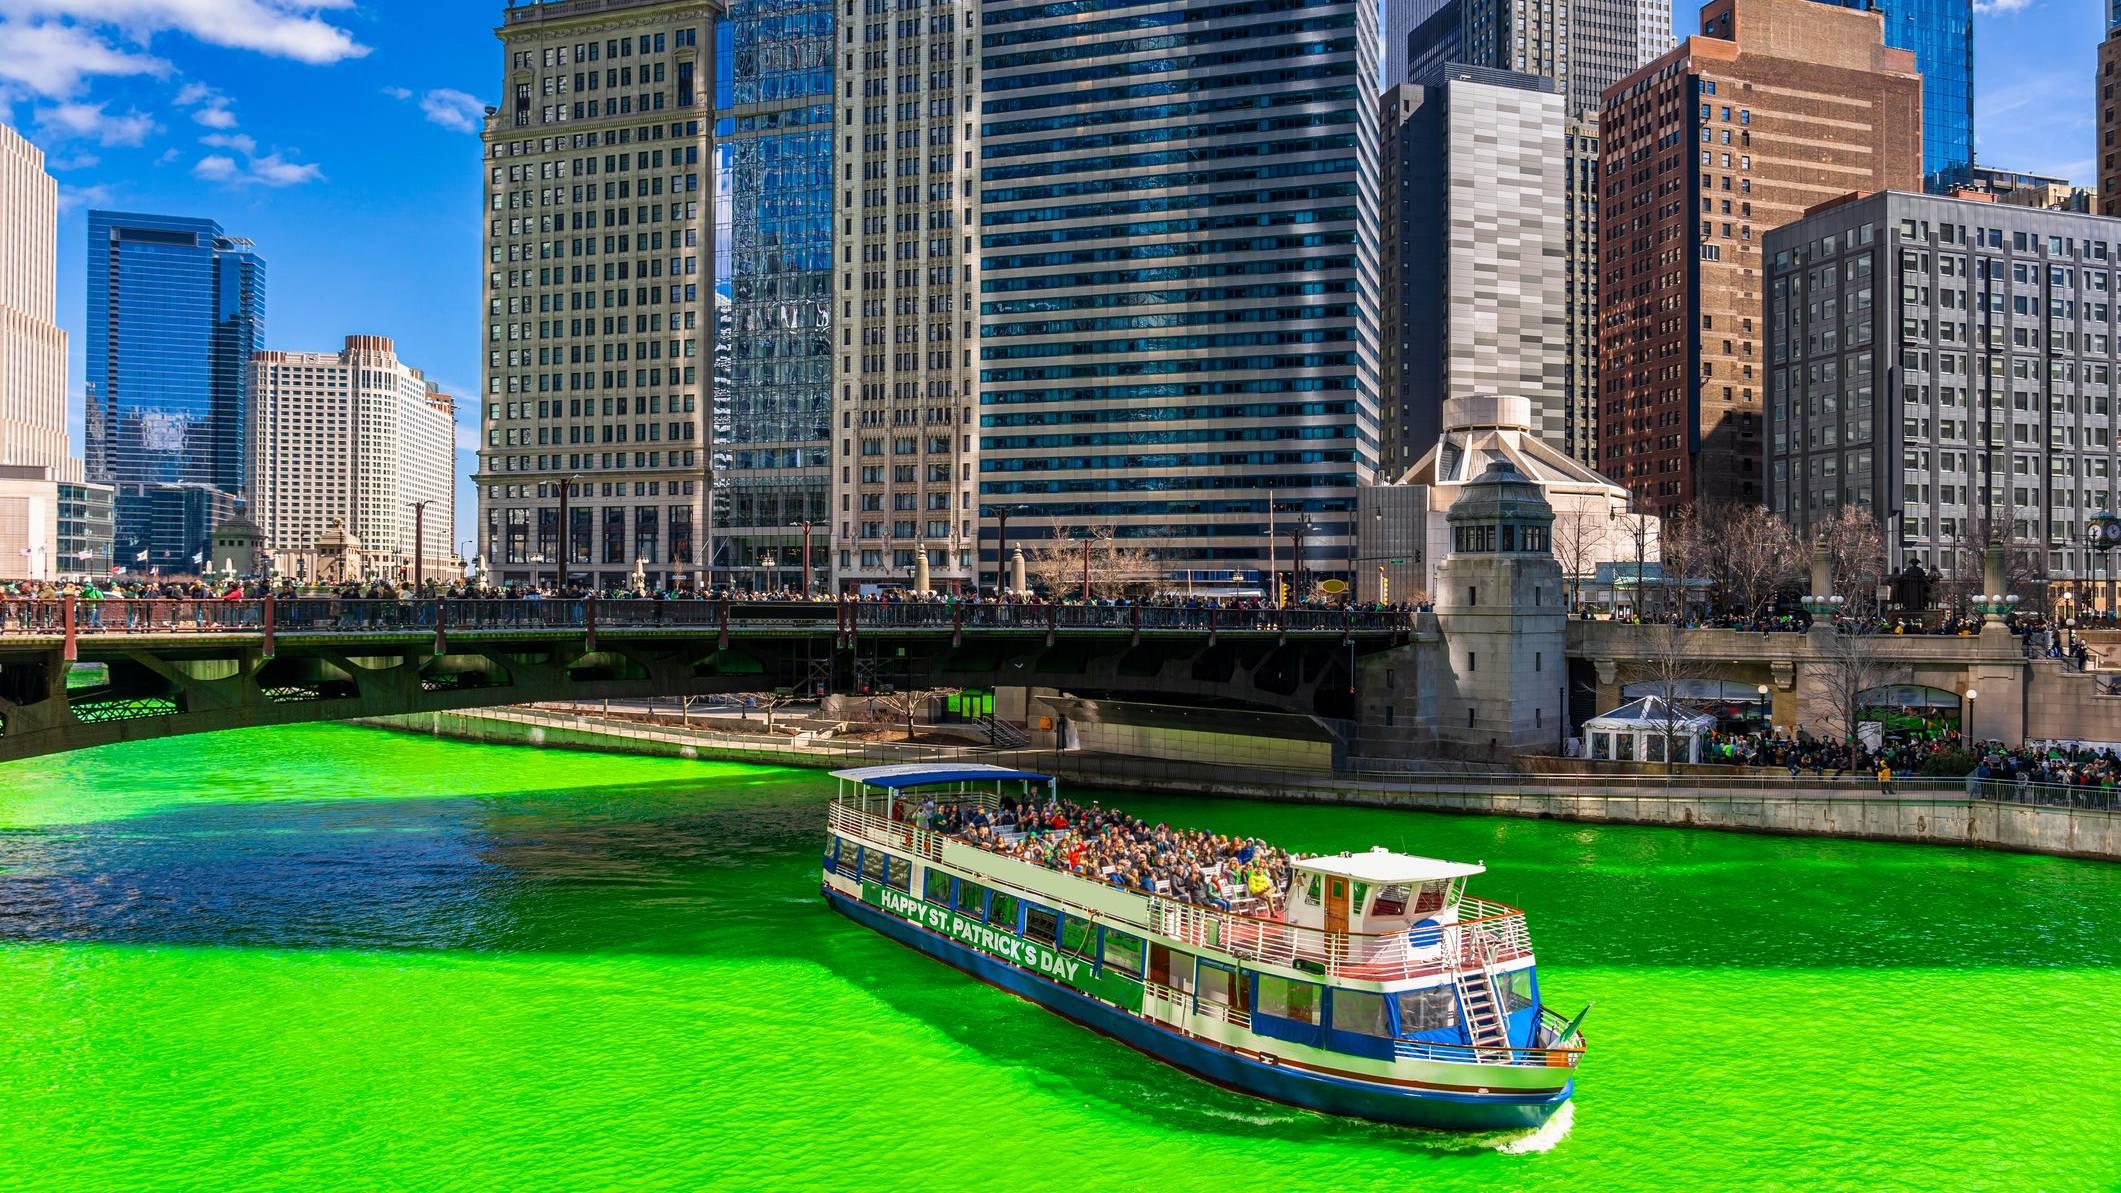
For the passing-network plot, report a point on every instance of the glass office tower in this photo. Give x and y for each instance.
(175, 309)
(1178, 280)
(1941, 34)
(773, 276)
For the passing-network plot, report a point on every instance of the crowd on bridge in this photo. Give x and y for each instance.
(1107, 845)
(1944, 624)
(1911, 754)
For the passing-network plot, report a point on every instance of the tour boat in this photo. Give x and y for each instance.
(1377, 990)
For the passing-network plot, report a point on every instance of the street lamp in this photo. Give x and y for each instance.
(805, 524)
(566, 489)
(1767, 710)
(1966, 728)
(419, 542)
(1296, 561)
(1001, 545)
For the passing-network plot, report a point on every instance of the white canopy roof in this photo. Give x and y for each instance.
(1381, 865)
(1651, 712)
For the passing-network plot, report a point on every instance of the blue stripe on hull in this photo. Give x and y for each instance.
(1409, 1107)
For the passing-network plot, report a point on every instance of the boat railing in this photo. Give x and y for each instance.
(1496, 937)
(1481, 1054)
(882, 830)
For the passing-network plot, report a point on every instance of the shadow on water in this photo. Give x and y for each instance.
(725, 866)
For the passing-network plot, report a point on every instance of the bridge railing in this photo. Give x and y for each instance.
(335, 615)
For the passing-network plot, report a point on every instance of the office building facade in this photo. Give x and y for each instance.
(355, 438)
(2107, 108)
(903, 482)
(1482, 272)
(1949, 365)
(175, 309)
(32, 347)
(1178, 281)
(1396, 22)
(775, 183)
(1777, 106)
(1940, 34)
(599, 307)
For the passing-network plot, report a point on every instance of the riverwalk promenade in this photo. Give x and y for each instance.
(1927, 811)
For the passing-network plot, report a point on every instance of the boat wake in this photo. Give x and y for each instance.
(1546, 1138)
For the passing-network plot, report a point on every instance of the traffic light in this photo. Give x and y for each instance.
(1282, 588)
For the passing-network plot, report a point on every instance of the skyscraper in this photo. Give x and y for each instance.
(2107, 174)
(1396, 22)
(1584, 48)
(175, 309)
(355, 437)
(599, 307)
(774, 184)
(32, 347)
(1777, 106)
(1481, 272)
(34, 460)
(1178, 279)
(904, 455)
(1940, 33)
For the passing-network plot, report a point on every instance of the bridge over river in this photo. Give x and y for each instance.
(173, 667)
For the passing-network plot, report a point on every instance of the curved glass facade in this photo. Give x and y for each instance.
(176, 308)
(1247, 314)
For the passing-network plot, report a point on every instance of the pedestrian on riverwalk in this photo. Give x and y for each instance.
(1885, 779)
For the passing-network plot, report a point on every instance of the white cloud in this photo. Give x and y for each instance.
(400, 93)
(453, 110)
(215, 117)
(213, 107)
(1997, 8)
(168, 155)
(91, 120)
(269, 170)
(281, 28)
(51, 60)
(240, 142)
(71, 197)
(272, 170)
(78, 161)
(196, 93)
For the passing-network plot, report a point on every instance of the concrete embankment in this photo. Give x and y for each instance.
(1938, 815)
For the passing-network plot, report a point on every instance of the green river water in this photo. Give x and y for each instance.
(334, 958)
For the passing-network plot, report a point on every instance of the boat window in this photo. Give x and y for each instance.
(1181, 975)
(1218, 986)
(1361, 1012)
(1427, 1010)
(898, 872)
(1517, 990)
(1391, 901)
(1287, 998)
(936, 886)
(972, 899)
(1078, 936)
(873, 864)
(1311, 891)
(1431, 897)
(1123, 953)
(1002, 911)
(1041, 924)
(832, 853)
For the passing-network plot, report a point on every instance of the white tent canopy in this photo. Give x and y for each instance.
(1639, 731)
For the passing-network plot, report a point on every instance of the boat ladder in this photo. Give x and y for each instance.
(1485, 1025)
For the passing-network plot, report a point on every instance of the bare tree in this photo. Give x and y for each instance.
(1851, 663)
(1856, 550)
(2025, 572)
(1670, 667)
(1115, 567)
(1577, 539)
(1747, 551)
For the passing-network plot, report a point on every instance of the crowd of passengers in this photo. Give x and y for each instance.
(1107, 845)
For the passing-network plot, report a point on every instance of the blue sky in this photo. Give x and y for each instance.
(341, 136)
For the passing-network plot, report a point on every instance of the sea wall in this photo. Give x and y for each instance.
(1918, 817)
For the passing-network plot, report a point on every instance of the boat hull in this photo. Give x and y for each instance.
(1439, 1109)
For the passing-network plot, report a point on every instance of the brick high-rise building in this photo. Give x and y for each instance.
(2108, 172)
(1775, 107)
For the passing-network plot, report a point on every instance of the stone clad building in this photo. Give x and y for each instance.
(1775, 107)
